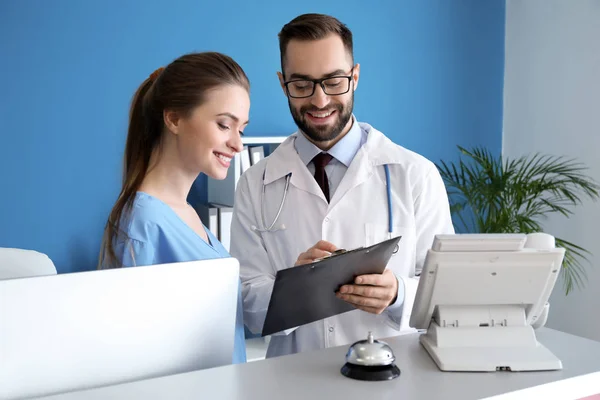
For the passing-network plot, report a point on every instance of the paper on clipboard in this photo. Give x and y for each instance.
(306, 293)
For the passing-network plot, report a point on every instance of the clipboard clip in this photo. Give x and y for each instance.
(334, 253)
(338, 251)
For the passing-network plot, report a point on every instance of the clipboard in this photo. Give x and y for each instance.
(306, 293)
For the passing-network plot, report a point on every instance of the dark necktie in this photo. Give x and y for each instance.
(320, 161)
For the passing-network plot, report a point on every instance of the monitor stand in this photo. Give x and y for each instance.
(459, 339)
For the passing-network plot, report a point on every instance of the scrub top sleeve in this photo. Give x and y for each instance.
(135, 253)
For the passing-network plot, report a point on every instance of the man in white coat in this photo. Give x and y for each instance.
(324, 188)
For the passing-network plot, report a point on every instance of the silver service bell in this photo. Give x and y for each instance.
(370, 360)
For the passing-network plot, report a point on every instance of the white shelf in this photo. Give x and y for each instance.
(263, 139)
(223, 191)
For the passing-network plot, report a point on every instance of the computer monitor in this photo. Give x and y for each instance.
(479, 297)
(89, 329)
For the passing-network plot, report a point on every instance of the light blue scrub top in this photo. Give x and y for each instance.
(159, 236)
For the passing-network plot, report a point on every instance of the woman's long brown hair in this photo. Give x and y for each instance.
(181, 87)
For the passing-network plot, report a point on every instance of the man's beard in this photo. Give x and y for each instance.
(323, 133)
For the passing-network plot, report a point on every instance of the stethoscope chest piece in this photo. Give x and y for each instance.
(370, 360)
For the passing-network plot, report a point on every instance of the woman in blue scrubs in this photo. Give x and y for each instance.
(185, 119)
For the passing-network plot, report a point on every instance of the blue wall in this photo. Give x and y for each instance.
(431, 78)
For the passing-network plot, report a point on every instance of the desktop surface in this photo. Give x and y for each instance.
(82, 330)
(317, 375)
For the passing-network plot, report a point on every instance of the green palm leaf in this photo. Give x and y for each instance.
(489, 194)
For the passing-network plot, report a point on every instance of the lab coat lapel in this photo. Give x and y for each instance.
(359, 171)
(284, 160)
(377, 151)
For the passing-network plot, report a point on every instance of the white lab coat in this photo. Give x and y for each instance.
(356, 216)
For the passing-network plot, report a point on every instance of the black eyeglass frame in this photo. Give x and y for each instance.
(320, 83)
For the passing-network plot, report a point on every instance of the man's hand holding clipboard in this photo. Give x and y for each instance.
(371, 293)
(326, 281)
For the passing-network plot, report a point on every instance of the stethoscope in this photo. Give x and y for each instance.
(272, 227)
(262, 206)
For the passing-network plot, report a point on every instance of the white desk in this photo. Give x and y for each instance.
(316, 375)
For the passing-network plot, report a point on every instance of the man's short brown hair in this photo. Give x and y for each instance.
(313, 27)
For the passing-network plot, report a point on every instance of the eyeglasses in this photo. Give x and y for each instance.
(332, 86)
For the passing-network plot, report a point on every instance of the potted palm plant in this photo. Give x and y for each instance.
(489, 194)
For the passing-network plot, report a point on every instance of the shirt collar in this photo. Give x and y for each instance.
(343, 151)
